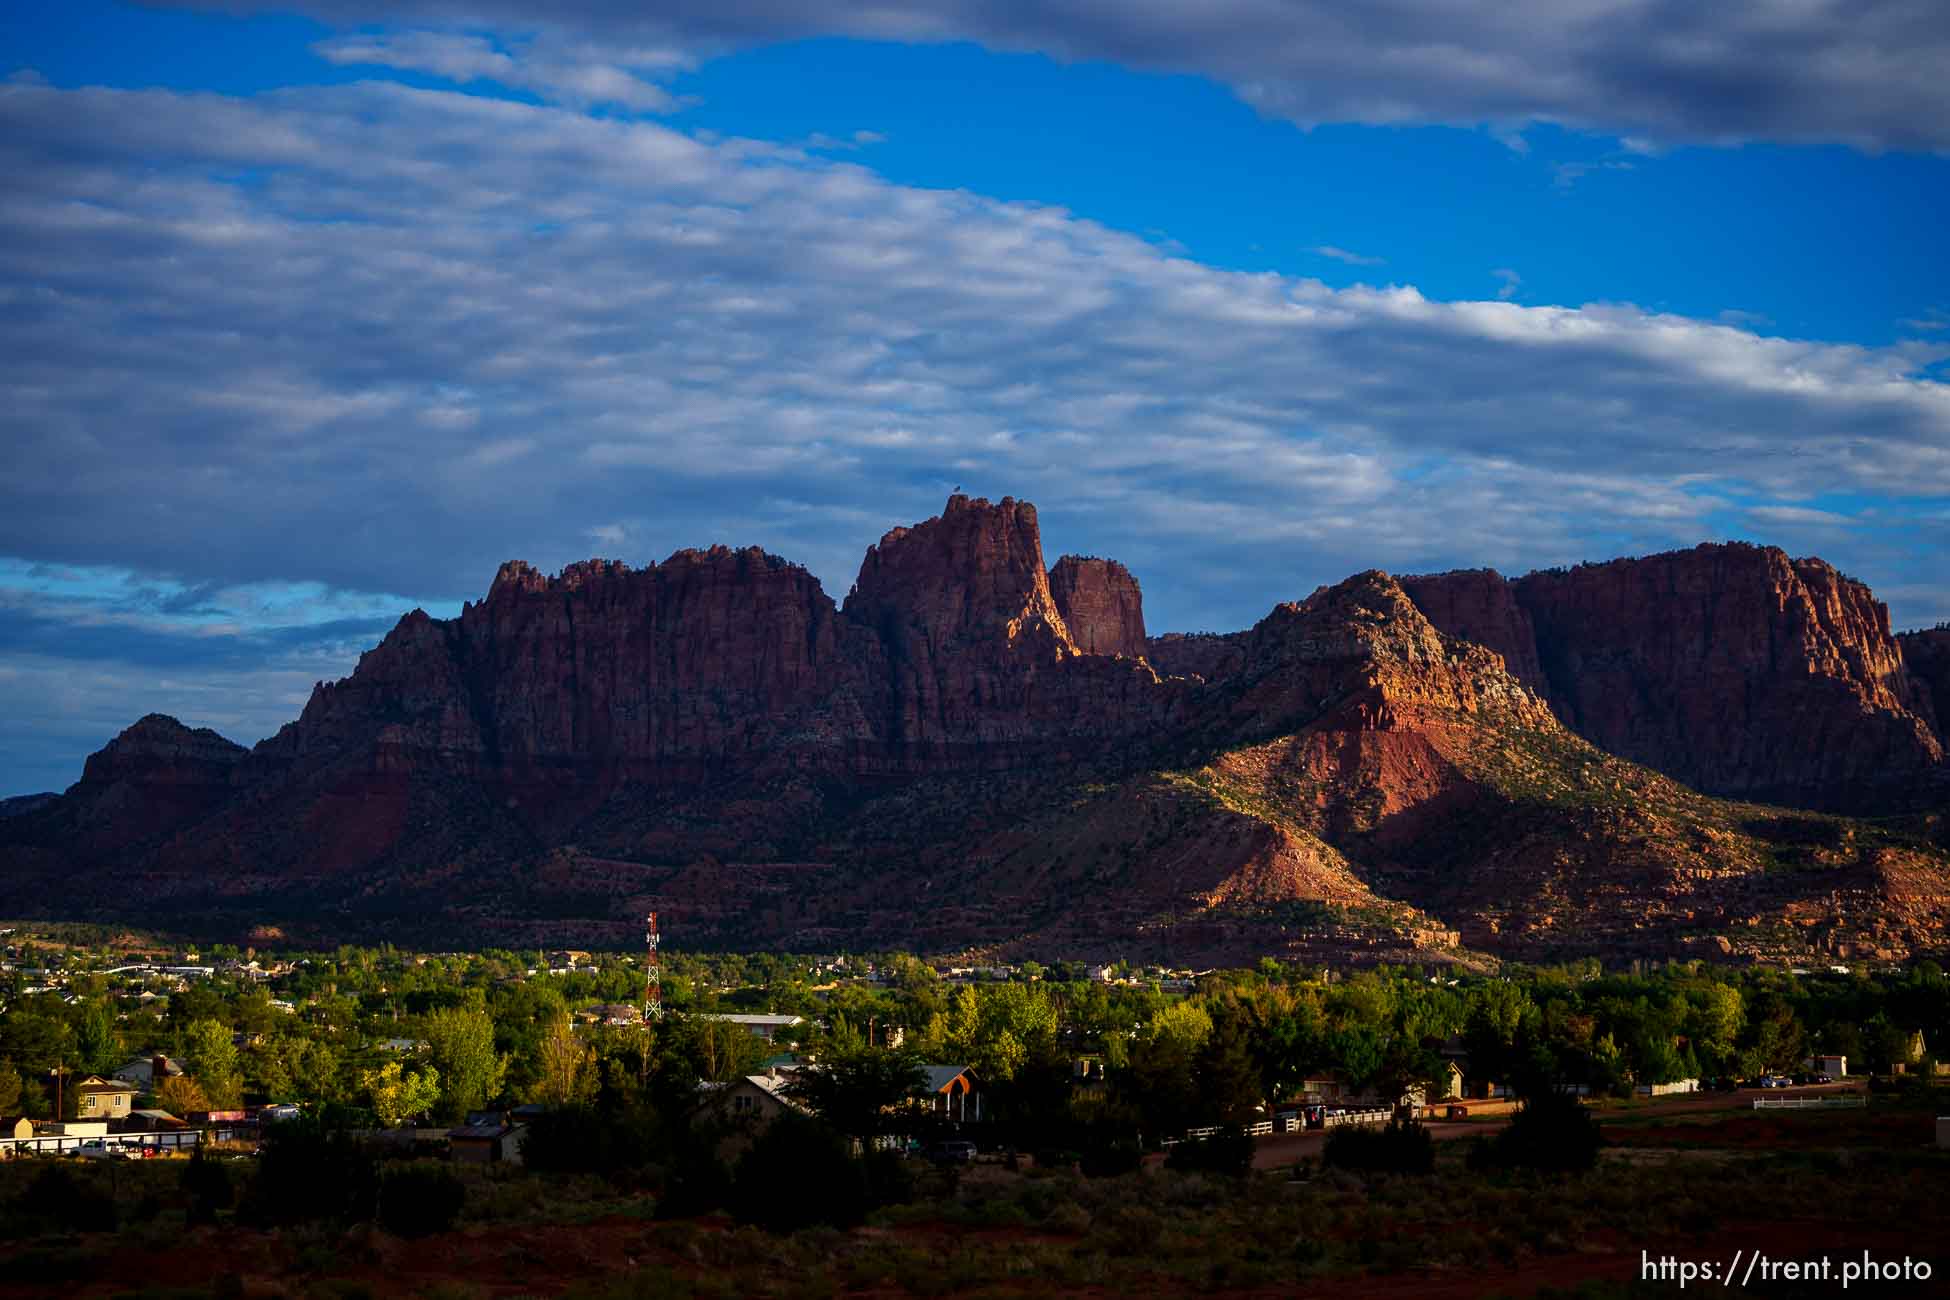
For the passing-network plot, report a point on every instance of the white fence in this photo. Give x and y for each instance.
(172, 1140)
(1371, 1115)
(1810, 1103)
(1261, 1129)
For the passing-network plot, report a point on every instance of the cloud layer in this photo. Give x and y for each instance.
(1866, 73)
(379, 338)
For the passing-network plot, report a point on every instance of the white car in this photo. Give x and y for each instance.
(100, 1150)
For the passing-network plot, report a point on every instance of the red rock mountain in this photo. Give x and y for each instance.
(1100, 604)
(1926, 656)
(973, 750)
(1732, 667)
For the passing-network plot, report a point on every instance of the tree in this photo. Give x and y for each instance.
(9, 1088)
(460, 1046)
(862, 1092)
(1161, 1082)
(96, 1044)
(397, 1096)
(995, 1028)
(1228, 1081)
(567, 1068)
(179, 1095)
(214, 1056)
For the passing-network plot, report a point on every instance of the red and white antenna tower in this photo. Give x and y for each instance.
(653, 989)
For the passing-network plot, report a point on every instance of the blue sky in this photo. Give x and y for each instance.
(311, 314)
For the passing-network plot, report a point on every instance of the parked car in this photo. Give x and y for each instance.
(1821, 1078)
(98, 1149)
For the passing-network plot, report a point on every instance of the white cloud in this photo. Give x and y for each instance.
(303, 376)
(562, 72)
(1343, 255)
(1567, 174)
(1865, 73)
(1511, 282)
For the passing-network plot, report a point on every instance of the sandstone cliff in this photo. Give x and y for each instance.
(1481, 605)
(1926, 656)
(1208, 655)
(1731, 667)
(968, 751)
(1100, 604)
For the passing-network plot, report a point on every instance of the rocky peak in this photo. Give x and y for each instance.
(1361, 651)
(1100, 604)
(516, 577)
(158, 748)
(973, 573)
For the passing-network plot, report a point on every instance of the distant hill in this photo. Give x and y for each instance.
(975, 752)
(25, 803)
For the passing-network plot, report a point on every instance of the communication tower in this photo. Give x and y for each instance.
(653, 989)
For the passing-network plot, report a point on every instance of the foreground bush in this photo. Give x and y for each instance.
(1553, 1132)
(586, 1140)
(206, 1182)
(308, 1171)
(797, 1174)
(697, 1182)
(68, 1198)
(1229, 1152)
(418, 1200)
(1404, 1147)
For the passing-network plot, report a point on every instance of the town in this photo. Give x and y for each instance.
(692, 1084)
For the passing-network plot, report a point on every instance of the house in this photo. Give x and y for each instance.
(1834, 1066)
(17, 1127)
(610, 1013)
(150, 1121)
(402, 1046)
(488, 1137)
(767, 1027)
(758, 1097)
(146, 1072)
(952, 1094)
(103, 1099)
(1325, 1088)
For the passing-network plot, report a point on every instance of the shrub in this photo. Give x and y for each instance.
(697, 1183)
(206, 1183)
(890, 1178)
(312, 1171)
(797, 1174)
(1404, 1147)
(418, 1200)
(1553, 1132)
(65, 1196)
(1110, 1159)
(585, 1140)
(1229, 1152)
